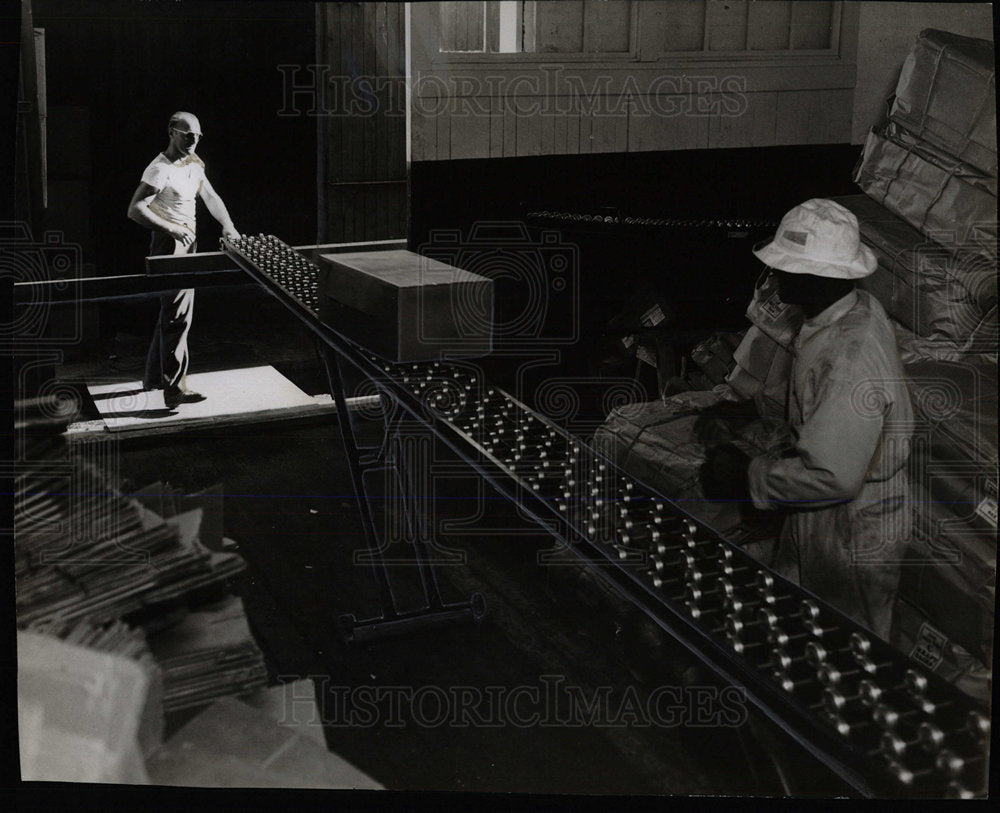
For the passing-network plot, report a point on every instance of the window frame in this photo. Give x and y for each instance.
(642, 50)
(490, 57)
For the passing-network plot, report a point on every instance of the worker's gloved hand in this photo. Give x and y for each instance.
(724, 473)
(721, 422)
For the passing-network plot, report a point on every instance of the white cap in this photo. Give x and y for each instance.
(819, 237)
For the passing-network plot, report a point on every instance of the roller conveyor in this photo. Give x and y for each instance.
(883, 722)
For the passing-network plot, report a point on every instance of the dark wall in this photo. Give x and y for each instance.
(702, 277)
(698, 268)
(115, 72)
(749, 183)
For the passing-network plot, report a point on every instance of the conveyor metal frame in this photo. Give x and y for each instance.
(803, 726)
(798, 722)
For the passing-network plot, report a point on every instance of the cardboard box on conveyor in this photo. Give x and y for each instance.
(406, 307)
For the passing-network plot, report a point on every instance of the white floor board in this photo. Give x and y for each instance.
(125, 406)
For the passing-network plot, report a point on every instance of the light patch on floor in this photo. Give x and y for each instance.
(228, 392)
(273, 738)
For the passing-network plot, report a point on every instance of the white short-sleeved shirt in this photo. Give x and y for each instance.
(177, 184)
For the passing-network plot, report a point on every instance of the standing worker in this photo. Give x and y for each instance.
(165, 203)
(844, 483)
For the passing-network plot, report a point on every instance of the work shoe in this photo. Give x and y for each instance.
(174, 398)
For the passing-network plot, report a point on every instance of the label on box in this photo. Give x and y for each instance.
(652, 317)
(929, 649)
(987, 509)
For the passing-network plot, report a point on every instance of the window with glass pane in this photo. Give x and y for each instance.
(526, 26)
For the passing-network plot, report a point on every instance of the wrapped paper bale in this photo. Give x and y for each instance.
(761, 373)
(657, 445)
(946, 95)
(955, 404)
(982, 341)
(933, 193)
(940, 292)
(977, 177)
(950, 575)
(763, 358)
(714, 356)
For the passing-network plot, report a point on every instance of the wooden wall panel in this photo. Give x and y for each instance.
(680, 23)
(470, 134)
(753, 126)
(606, 25)
(442, 127)
(726, 23)
(574, 124)
(496, 128)
(768, 25)
(509, 118)
(529, 135)
(363, 183)
(672, 101)
(422, 135)
(560, 26)
(560, 135)
(813, 117)
(608, 132)
(680, 132)
(548, 135)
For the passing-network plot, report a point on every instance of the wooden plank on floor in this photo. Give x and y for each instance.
(323, 405)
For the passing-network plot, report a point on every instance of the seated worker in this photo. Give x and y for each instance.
(843, 484)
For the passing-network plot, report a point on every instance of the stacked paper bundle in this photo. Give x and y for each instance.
(83, 551)
(210, 654)
(109, 572)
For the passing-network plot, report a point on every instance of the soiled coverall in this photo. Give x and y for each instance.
(846, 481)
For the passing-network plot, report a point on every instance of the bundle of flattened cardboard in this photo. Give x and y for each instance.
(142, 578)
